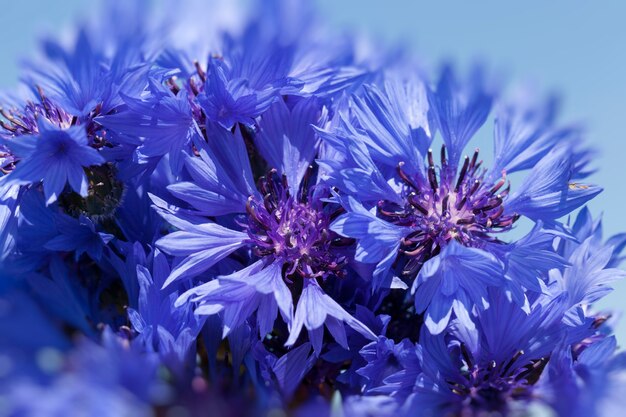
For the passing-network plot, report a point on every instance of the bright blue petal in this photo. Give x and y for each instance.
(202, 246)
(286, 138)
(549, 192)
(377, 240)
(460, 109)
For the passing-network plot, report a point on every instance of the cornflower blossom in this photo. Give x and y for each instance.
(411, 214)
(285, 225)
(235, 210)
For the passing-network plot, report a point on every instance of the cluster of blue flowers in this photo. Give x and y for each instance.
(231, 212)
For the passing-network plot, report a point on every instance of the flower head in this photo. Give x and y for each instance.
(284, 222)
(294, 231)
(486, 368)
(428, 202)
(55, 157)
(463, 208)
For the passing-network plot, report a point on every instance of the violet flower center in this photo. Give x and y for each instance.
(293, 230)
(492, 387)
(445, 206)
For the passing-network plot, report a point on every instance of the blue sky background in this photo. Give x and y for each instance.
(572, 47)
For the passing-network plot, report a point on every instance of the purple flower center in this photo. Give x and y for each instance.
(24, 122)
(20, 122)
(494, 386)
(441, 206)
(293, 229)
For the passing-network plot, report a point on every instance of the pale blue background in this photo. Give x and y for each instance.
(574, 47)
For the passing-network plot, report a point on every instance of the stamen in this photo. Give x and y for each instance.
(268, 202)
(474, 159)
(250, 210)
(461, 202)
(439, 213)
(304, 184)
(490, 205)
(414, 252)
(432, 178)
(444, 205)
(431, 161)
(405, 177)
(200, 71)
(513, 359)
(497, 185)
(462, 174)
(474, 187)
(415, 203)
(294, 231)
(5, 126)
(171, 84)
(14, 120)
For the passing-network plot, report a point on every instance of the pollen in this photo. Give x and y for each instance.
(576, 186)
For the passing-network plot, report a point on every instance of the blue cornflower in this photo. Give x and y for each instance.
(530, 259)
(55, 157)
(73, 87)
(584, 228)
(52, 128)
(77, 82)
(485, 368)
(211, 212)
(391, 172)
(263, 63)
(78, 236)
(44, 231)
(183, 102)
(22, 117)
(592, 268)
(285, 225)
